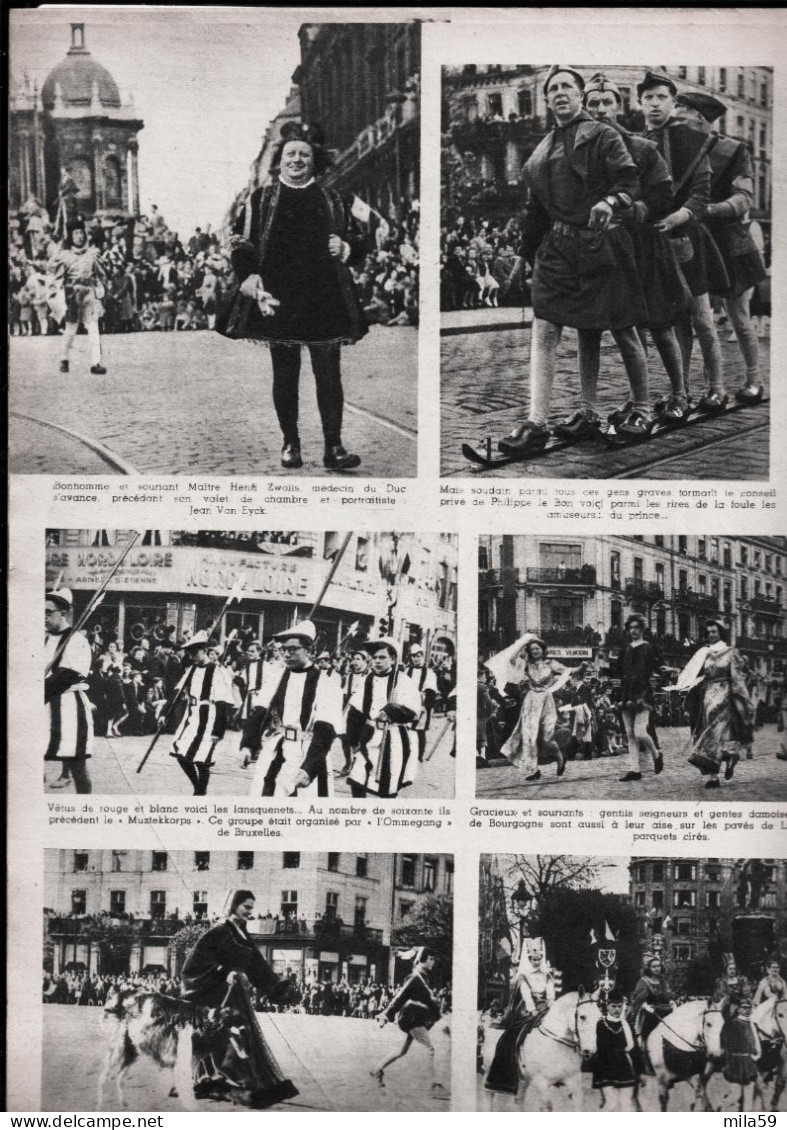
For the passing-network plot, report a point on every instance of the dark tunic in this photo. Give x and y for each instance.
(685, 151)
(414, 1006)
(636, 668)
(230, 1058)
(613, 1066)
(732, 175)
(740, 1049)
(282, 235)
(581, 277)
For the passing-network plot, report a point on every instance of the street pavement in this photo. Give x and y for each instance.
(764, 778)
(328, 1058)
(113, 769)
(485, 392)
(196, 403)
(721, 1094)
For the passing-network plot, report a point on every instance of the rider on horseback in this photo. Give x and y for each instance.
(532, 994)
(651, 1001)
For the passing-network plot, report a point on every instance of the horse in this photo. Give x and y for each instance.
(770, 1020)
(142, 1023)
(685, 1044)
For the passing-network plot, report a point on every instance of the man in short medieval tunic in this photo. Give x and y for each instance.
(207, 691)
(79, 271)
(69, 710)
(351, 681)
(424, 680)
(581, 178)
(731, 198)
(379, 726)
(304, 714)
(249, 683)
(685, 151)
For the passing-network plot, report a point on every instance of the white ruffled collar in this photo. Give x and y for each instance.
(297, 187)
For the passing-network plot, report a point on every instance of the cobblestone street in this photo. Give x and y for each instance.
(762, 779)
(485, 392)
(113, 769)
(328, 1059)
(196, 403)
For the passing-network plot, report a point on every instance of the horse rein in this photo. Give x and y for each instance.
(692, 1047)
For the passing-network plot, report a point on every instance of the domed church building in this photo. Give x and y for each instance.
(76, 124)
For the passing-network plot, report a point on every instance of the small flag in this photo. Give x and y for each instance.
(608, 935)
(236, 593)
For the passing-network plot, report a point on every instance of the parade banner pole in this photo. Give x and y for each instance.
(235, 594)
(91, 606)
(329, 578)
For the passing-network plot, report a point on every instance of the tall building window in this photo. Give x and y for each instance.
(638, 568)
(430, 873)
(657, 899)
(362, 866)
(159, 861)
(80, 861)
(722, 79)
(408, 870)
(524, 100)
(158, 904)
(727, 555)
(78, 902)
(741, 86)
(289, 904)
(658, 872)
(245, 861)
(360, 910)
(117, 903)
(448, 877)
(701, 75)
(702, 547)
(202, 861)
(333, 860)
(684, 899)
(199, 904)
(683, 544)
(483, 557)
(614, 570)
(685, 872)
(291, 859)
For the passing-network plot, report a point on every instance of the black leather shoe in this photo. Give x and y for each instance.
(713, 783)
(337, 459)
(658, 765)
(630, 776)
(99, 370)
(534, 776)
(524, 439)
(64, 366)
(291, 456)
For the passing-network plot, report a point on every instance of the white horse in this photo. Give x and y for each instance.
(684, 1045)
(139, 1023)
(770, 1020)
(550, 1055)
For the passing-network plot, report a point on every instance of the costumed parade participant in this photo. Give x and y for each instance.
(380, 721)
(731, 198)
(292, 244)
(639, 661)
(721, 715)
(651, 1001)
(415, 1009)
(731, 987)
(303, 707)
(230, 1057)
(424, 680)
(772, 984)
(613, 1064)
(69, 711)
(207, 691)
(581, 179)
(526, 663)
(351, 681)
(665, 290)
(742, 1049)
(685, 152)
(79, 271)
(252, 712)
(531, 996)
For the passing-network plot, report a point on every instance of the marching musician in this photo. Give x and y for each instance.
(304, 715)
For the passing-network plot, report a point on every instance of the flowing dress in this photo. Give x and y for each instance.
(230, 1057)
(534, 731)
(721, 713)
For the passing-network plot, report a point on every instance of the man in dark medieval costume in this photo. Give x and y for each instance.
(731, 198)
(292, 244)
(581, 178)
(69, 711)
(231, 1060)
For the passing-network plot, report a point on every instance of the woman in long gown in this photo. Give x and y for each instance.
(416, 1009)
(531, 996)
(721, 714)
(651, 1001)
(292, 246)
(533, 736)
(230, 1059)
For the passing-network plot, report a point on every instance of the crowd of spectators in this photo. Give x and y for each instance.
(480, 264)
(156, 281)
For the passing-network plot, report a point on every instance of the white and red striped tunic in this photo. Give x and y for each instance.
(69, 711)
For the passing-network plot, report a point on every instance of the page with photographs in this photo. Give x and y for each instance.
(395, 466)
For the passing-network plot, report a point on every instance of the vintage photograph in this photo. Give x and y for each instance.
(634, 668)
(201, 206)
(261, 664)
(636, 984)
(241, 979)
(605, 271)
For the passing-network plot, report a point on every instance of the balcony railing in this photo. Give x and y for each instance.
(762, 646)
(644, 590)
(571, 637)
(494, 578)
(584, 577)
(702, 602)
(766, 605)
(93, 925)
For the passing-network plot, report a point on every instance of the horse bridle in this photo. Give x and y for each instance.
(778, 1023)
(693, 1047)
(573, 1044)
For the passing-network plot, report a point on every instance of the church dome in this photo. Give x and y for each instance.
(77, 76)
